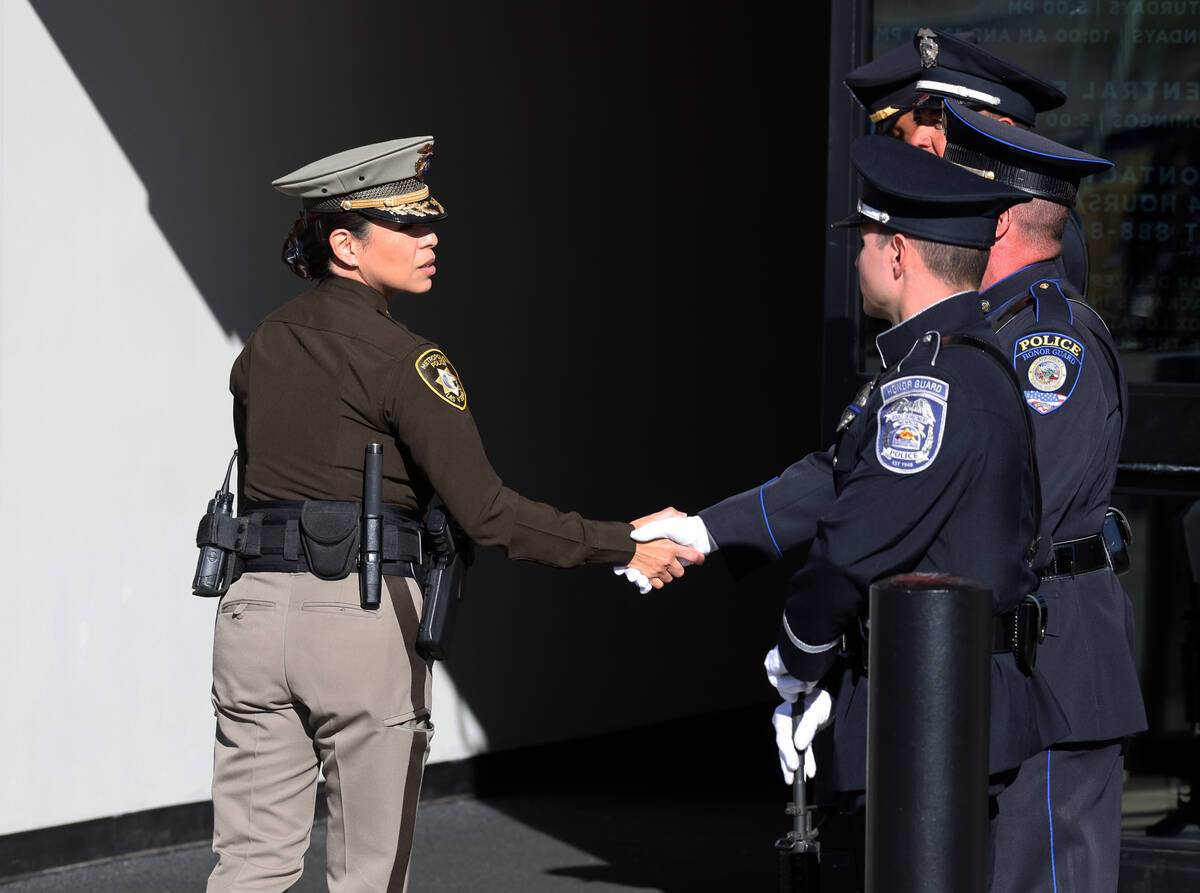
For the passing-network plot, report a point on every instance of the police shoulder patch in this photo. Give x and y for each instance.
(1048, 366)
(442, 378)
(912, 423)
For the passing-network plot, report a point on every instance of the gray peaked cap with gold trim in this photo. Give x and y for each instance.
(385, 181)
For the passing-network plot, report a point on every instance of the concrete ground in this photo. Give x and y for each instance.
(626, 812)
(685, 808)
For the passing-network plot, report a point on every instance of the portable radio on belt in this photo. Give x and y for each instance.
(1117, 535)
(217, 539)
(370, 568)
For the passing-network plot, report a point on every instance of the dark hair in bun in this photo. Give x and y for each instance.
(306, 249)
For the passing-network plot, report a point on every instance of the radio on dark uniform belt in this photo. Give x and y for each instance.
(1117, 535)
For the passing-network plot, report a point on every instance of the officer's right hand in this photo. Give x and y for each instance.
(792, 736)
(661, 560)
(687, 530)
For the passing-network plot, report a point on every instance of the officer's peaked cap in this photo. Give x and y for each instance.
(1020, 158)
(914, 192)
(384, 180)
(940, 65)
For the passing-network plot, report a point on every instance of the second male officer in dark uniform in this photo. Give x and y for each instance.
(902, 92)
(1063, 813)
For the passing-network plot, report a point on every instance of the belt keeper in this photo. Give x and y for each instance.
(251, 544)
(391, 542)
(291, 540)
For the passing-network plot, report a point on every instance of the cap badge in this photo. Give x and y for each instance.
(927, 47)
(425, 153)
(873, 213)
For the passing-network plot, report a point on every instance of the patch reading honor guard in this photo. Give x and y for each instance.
(1050, 363)
(441, 377)
(912, 421)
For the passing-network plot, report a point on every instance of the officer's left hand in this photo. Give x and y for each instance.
(792, 737)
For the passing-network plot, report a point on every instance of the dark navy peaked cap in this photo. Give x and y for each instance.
(1020, 158)
(914, 192)
(941, 65)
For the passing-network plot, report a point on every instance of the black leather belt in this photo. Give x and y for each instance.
(1075, 557)
(1018, 631)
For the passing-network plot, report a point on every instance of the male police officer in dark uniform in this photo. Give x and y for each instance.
(932, 470)
(902, 92)
(1065, 359)
(935, 471)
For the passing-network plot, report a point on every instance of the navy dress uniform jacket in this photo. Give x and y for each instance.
(1079, 420)
(965, 511)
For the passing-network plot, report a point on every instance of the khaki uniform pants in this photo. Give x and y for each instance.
(304, 678)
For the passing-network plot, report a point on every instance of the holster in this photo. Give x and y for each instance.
(1021, 631)
(449, 554)
(329, 535)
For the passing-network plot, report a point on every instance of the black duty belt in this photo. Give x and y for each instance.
(273, 539)
(1076, 557)
(1018, 631)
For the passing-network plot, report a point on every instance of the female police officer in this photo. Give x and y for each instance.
(303, 676)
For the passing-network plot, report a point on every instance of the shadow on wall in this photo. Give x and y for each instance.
(629, 279)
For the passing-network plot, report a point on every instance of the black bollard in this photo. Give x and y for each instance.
(927, 735)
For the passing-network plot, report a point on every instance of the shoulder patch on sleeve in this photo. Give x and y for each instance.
(1047, 365)
(912, 422)
(441, 378)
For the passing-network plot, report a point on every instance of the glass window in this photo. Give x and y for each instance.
(1131, 72)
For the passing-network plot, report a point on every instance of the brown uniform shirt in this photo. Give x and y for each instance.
(331, 371)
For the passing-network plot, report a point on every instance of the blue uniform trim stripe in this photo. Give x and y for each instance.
(1050, 817)
(763, 502)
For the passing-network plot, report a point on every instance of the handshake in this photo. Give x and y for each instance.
(667, 541)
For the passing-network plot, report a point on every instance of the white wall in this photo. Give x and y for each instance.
(138, 244)
(114, 429)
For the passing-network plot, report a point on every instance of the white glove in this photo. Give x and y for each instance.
(634, 576)
(788, 686)
(791, 740)
(688, 530)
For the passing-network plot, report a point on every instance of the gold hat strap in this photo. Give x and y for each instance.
(390, 201)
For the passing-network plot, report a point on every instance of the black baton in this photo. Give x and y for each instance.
(370, 571)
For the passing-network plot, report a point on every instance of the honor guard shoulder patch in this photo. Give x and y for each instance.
(1048, 365)
(912, 422)
(442, 378)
